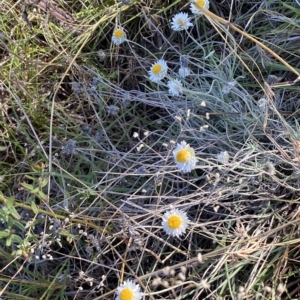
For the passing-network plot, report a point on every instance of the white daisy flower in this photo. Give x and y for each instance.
(129, 291)
(175, 222)
(175, 87)
(181, 21)
(184, 72)
(195, 6)
(185, 157)
(158, 71)
(119, 36)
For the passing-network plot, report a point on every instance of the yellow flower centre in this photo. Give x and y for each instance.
(156, 69)
(119, 33)
(126, 294)
(183, 155)
(201, 3)
(181, 22)
(174, 222)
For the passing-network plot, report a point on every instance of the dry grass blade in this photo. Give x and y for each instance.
(245, 34)
(54, 10)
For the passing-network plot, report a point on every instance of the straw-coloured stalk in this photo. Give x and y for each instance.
(232, 26)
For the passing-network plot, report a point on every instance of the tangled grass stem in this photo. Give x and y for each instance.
(55, 215)
(232, 26)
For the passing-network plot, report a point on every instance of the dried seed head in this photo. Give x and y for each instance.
(223, 157)
(200, 258)
(165, 283)
(156, 281)
(184, 61)
(262, 103)
(269, 167)
(181, 276)
(112, 110)
(101, 55)
(166, 270)
(205, 284)
(70, 147)
(280, 288)
(268, 289)
(228, 86)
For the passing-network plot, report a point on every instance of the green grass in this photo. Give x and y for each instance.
(84, 189)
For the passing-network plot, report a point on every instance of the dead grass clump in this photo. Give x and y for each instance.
(89, 177)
